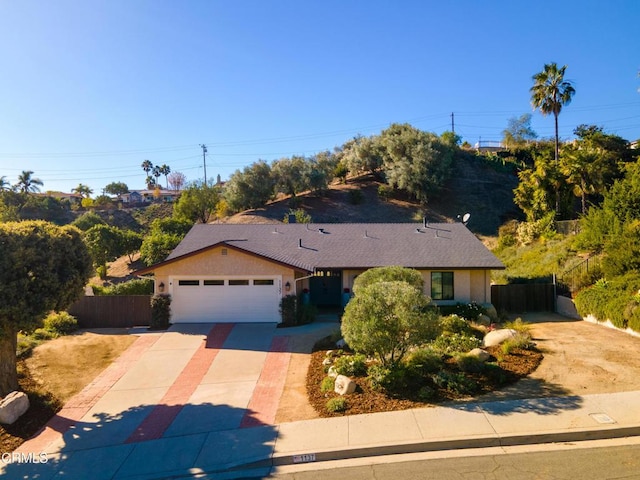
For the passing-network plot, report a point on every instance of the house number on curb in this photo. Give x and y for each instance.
(309, 457)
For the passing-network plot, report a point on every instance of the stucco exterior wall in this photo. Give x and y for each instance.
(215, 263)
(468, 285)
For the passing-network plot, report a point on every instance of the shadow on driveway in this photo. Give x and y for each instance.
(98, 449)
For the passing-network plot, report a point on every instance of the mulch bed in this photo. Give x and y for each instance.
(510, 369)
(42, 407)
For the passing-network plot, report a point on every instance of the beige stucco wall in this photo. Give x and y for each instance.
(213, 263)
(468, 285)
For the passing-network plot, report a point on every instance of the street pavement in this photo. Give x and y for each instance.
(200, 400)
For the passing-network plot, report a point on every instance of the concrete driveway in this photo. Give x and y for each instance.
(199, 396)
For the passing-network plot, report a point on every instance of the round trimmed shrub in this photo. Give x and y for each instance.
(61, 323)
(337, 405)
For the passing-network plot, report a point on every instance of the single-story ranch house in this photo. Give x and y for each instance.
(239, 273)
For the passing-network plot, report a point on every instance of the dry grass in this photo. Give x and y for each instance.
(64, 366)
(57, 370)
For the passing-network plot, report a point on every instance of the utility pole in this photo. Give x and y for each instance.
(204, 161)
(453, 128)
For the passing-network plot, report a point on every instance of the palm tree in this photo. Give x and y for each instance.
(26, 183)
(83, 190)
(4, 184)
(156, 173)
(550, 92)
(165, 170)
(147, 166)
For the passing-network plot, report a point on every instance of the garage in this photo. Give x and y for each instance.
(225, 299)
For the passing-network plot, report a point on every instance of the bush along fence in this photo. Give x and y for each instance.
(616, 300)
(113, 311)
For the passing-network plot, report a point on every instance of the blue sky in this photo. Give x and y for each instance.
(90, 89)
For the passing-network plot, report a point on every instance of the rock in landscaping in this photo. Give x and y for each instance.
(480, 354)
(484, 320)
(327, 361)
(13, 406)
(497, 337)
(341, 343)
(344, 385)
(329, 353)
(333, 373)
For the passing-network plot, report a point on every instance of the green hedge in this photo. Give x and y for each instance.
(142, 286)
(616, 300)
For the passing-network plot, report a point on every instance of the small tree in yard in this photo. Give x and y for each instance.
(389, 274)
(42, 268)
(385, 319)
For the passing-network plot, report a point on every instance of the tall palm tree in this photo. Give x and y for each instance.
(83, 190)
(26, 183)
(165, 170)
(550, 92)
(147, 166)
(156, 173)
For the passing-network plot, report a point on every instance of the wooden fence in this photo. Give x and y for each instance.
(526, 297)
(112, 311)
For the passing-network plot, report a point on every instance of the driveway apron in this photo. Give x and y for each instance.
(200, 396)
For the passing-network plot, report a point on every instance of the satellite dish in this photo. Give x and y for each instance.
(465, 218)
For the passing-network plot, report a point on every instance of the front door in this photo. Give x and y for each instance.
(326, 288)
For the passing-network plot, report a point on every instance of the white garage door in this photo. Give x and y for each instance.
(237, 299)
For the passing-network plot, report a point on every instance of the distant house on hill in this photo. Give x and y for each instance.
(73, 198)
(147, 196)
(489, 146)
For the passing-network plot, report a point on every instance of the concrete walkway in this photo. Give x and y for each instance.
(201, 400)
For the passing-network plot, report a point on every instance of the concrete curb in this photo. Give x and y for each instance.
(577, 435)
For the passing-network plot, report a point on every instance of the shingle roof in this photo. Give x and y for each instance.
(347, 245)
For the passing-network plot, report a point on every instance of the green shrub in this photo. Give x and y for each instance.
(426, 393)
(519, 326)
(394, 379)
(385, 192)
(520, 341)
(328, 384)
(388, 274)
(351, 365)
(469, 363)
(455, 343)
(61, 323)
(26, 344)
(337, 405)
(142, 286)
(455, 324)
(470, 311)
(386, 319)
(288, 309)
(294, 312)
(424, 360)
(455, 382)
(160, 312)
(101, 271)
(612, 300)
(44, 334)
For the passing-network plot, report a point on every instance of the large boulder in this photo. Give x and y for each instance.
(497, 337)
(344, 385)
(483, 320)
(13, 406)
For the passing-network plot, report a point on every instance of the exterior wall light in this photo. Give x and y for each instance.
(287, 287)
(161, 287)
